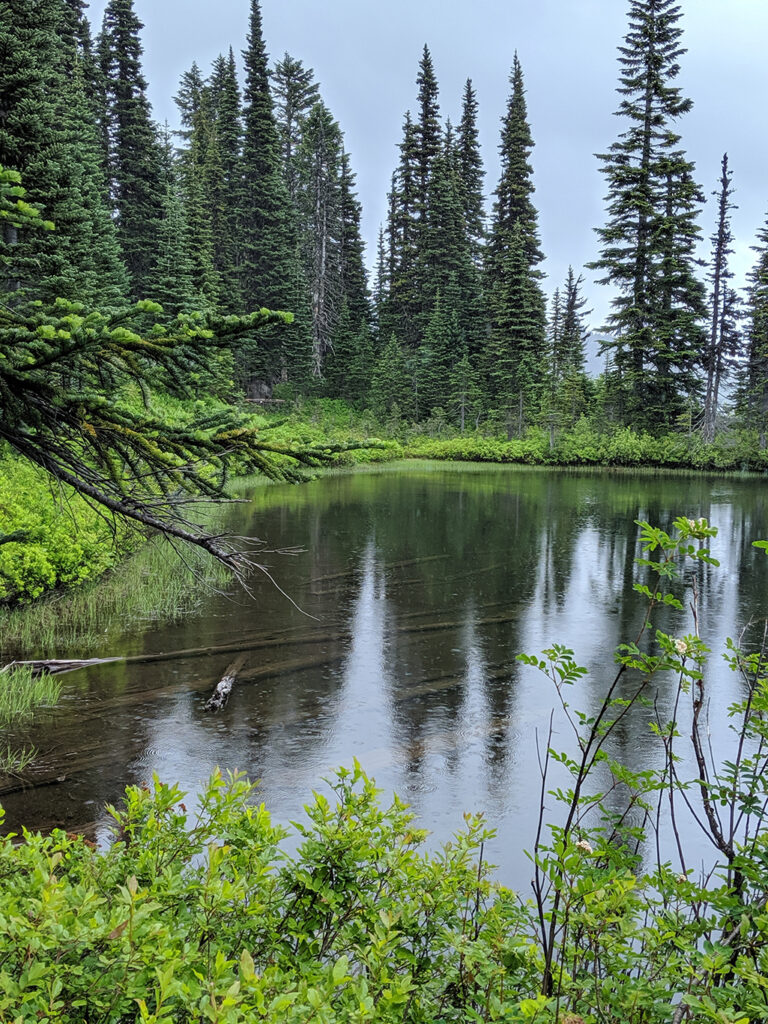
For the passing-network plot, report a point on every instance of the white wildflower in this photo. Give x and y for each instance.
(681, 646)
(583, 845)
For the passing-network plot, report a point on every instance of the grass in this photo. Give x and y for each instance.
(22, 694)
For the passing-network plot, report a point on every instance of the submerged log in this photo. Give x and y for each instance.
(223, 688)
(57, 665)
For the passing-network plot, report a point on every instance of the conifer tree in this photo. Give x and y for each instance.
(572, 384)
(472, 174)
(437, 355)
(46, 134)
(401, 311)
(721, 306)
(516, 351)
(188, 99)
(269, 264)
(391, 383)
(134, 152)
(295, 92)
(513, 204)
(354, 277)
(350, 363)
(171, 283)
(752, 394)
(446, 252)
(318, 167)
(227, 190)
(201, 179)
(381, 279)
(647, 242)
(465, 394)
(428, 134)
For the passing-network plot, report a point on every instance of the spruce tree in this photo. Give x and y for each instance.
(354, 277)
(721, 330)
(472, 174)
(513, 204)
(516, 352)
(400, 313)
(391, 384)
(350, 362)
(46, 134)
(465, 394)
(201, 179)
(134, 152)
(647, 242)
(227, 191)
(270, 270)
(516, 349)
(318, 171)
(295, 92)
(437, 356)
(171, 283)
(752, 393)
(572, 384)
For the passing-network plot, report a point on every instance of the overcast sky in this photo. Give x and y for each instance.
(365, 56)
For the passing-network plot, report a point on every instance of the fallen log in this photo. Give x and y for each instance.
(57, 665)
(223, 688)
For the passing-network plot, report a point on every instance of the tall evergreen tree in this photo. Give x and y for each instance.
(318, 166)
(401, 310)
(647, 243)
(753, 387)
(721, 307)
(354, 278)
(227, 191)
(513, 204)
(135, 184)
(516, 352)
(472, 174)
(171, 283)
(270, 270)
(428, 133)
(295, 92)
(46, 134)
(201, 179)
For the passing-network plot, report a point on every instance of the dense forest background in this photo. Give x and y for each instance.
(253, 203)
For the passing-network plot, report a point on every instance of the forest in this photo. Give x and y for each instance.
(182, 308)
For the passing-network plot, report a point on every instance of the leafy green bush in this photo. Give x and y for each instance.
(62, 540)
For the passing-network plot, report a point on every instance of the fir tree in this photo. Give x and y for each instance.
(135, 184)
(721, 306)
(46, 134)
(227, 190)
(318, 166)
(354, 278)
(171, 283)
(439, 352)
(647, 243)
(350, 363)
(205, 202)
(391, 383)
(295, 92)
(572, 384)
(753, 388)
(513, 205)
(516, 351)
(472, 174)
(465, 394)
(270, 269)
(428, 133)
(401, 311)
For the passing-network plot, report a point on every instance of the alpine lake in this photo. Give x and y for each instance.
(413, 589)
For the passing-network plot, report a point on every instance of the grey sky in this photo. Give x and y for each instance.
(365, 56)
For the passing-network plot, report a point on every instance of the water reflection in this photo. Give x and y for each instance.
(424, 584)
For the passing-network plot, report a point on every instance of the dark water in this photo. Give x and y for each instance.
(425, 582)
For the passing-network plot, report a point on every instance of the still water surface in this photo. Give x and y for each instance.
(424, 583)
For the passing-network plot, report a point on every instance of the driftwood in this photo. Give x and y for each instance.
(56, 666)
(223, 688)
